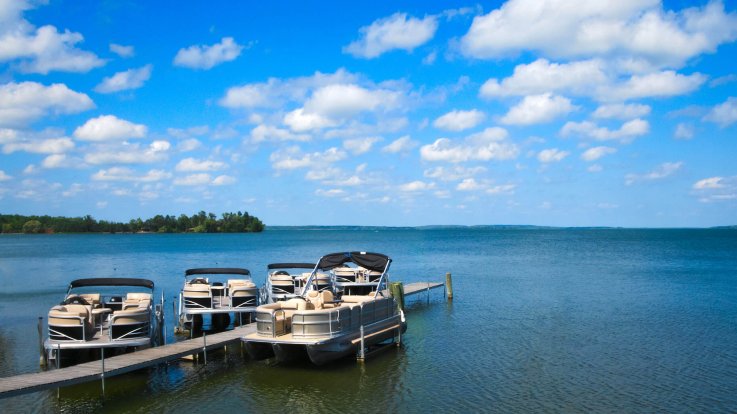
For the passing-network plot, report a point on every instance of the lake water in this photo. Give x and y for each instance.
(554, 320)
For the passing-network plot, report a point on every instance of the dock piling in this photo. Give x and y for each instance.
(204, 346)
(362, 351)
(102, 374)
(449, 285)
(42, 352)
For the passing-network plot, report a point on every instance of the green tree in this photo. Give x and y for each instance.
(32, 226)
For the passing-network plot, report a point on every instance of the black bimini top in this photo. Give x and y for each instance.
(217, 271)
(371, 261)
(291, 266)
(111, 281)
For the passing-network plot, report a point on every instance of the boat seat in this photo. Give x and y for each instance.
(129, 323)
(68, 322)
(197, 290)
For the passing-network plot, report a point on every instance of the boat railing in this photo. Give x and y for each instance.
(130, 325)
(56, 333)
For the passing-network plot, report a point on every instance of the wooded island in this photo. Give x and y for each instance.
(199, 223)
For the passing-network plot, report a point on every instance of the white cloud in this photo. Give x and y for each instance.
(223, 180)
(683, 131)
(206, 57)
(56, 161)
(188, 145)
(265, 132)
(191, 164)
(637, 30)
(716, 189)
(416, 186)
(4, 176)
(593, 154)
(537, 109)
(109, 128)
(542, 76)
(724, 114)
(194, 179)
(601, 80)
(43, 49)
(501, 189)
(709, 183)
(653, 85)
(26, 102)
(397, 31)
(126, 80)
(459, 120)
(662, 171)
(300, 121)
(551, 155)
(402, 144)
(129, 154)
(292, 158)
(621, 111)
(490, 144)
(127, 174)
(360, 145)
(342, 100)
(455, 173)
(626, 133)
(469, 184)
(333, 192)
(595, 168)
(43, 146)
(122, 51)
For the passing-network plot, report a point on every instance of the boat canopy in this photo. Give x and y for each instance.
(291, 266)
(371, 261)
(217, 271)
(111, 281)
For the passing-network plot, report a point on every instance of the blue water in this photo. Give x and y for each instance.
(562, 320)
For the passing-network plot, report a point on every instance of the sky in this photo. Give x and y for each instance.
(541, 112)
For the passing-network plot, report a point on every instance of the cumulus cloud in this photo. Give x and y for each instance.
(26, 102)
(724, 114)
(401, 144)
(457, 172)
(333, 192)
(43, 49)
(126, 80)
(397, 31)
(192, 164)
(537, 109)
(683, 131)
(662, 171)
(459, 120)
(194, 179)
(490, 144)
(109, 128)
(122, 51)
(416, 186)
(292, 158)
(207, 57)
(709, 183)
(638, 30)
(223, 180)
(42, 146)
(129, 154)
(263, 132)
(593, 154)
(56, 161)
(360, 145)
(301, 121)
(501, 189)
(551, 155)
(621, 111)
(626, 133)
(595, 78)
(4, 176)
(716, 189)
(127, 174)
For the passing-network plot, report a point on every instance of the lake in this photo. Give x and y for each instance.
(554, 320)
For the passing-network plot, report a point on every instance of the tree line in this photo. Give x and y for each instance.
(198, 223)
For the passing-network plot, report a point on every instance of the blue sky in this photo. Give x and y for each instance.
(547, 112)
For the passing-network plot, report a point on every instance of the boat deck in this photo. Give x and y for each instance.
(121, 364)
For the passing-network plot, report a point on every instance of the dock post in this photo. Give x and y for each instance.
(397, 291)
(204, 347)
(42, 352)
(449, 285)
(102, 374)
(399, 331)
(362, 351)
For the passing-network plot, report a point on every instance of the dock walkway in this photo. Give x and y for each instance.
(121, 364)
(419, 287)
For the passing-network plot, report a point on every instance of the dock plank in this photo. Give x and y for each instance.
(117, 365)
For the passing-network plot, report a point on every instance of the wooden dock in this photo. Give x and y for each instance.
(121, 364)
(419, 287)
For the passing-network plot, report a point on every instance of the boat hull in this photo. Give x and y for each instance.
(259, 350)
